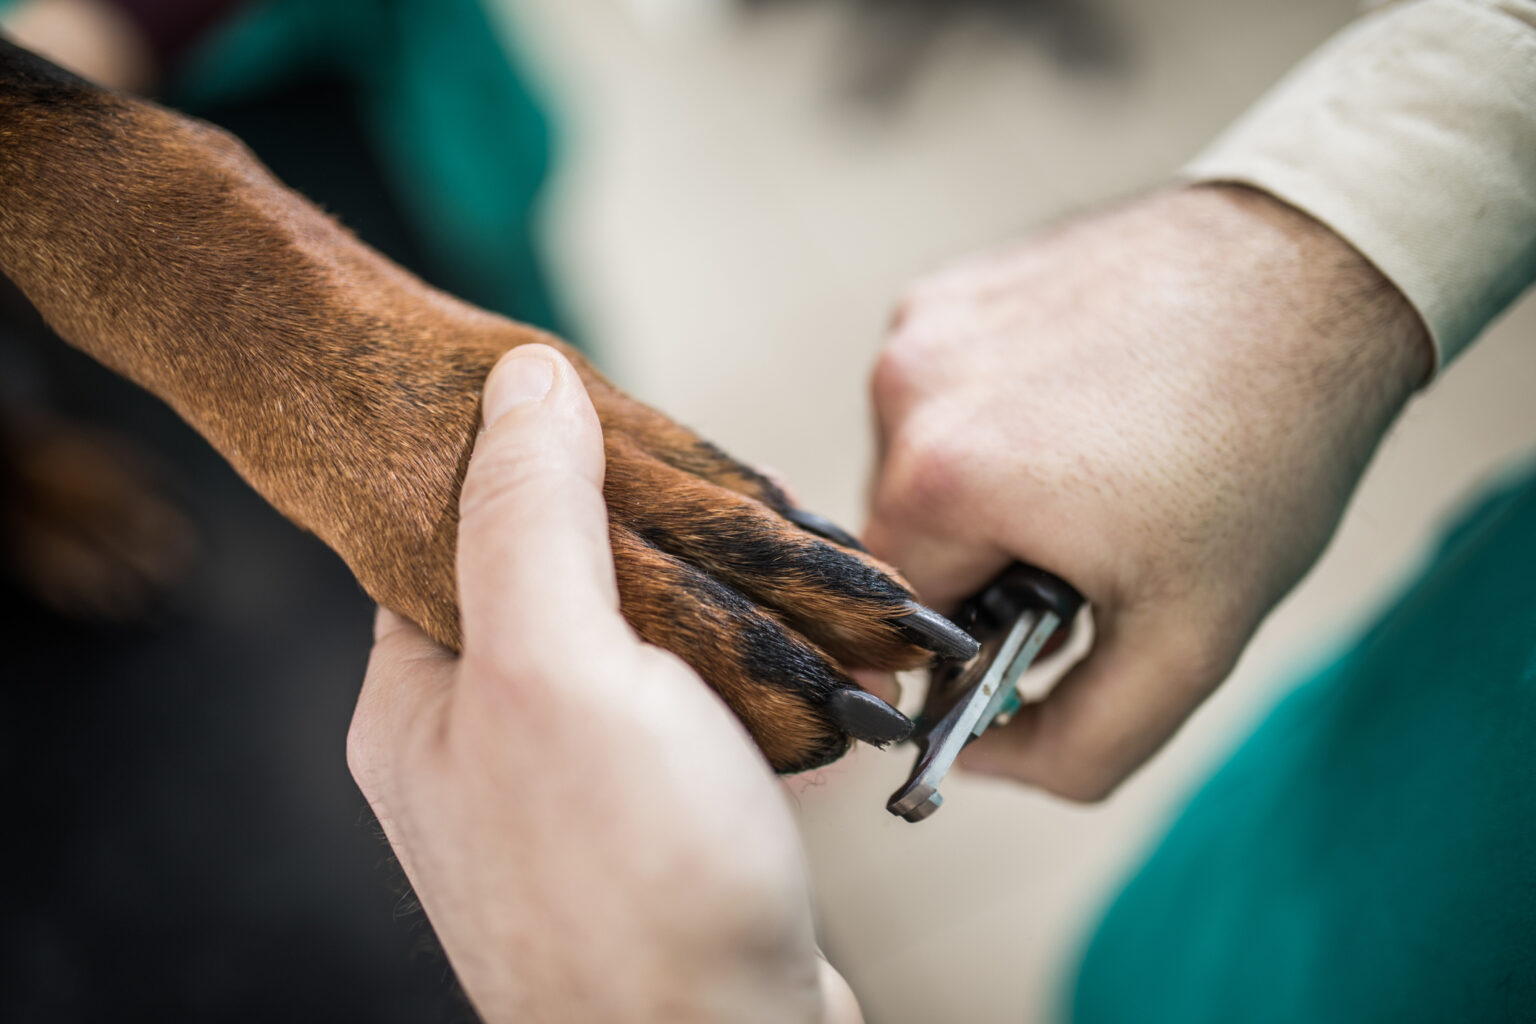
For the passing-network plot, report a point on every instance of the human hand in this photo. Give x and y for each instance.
(1168, 404)
(591, 833)
(92, 38)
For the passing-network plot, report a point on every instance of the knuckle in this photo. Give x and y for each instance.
(912, 355)
(1196, 653)
(358, 759)
(914, 302)
(925, 290)
(918, 336)
(1083, 785)
(926, 469)
(895, 374)
(1072, 768)
(1083, 765)
(363, 756)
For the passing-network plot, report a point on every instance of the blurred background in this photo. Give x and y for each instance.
(738, 192)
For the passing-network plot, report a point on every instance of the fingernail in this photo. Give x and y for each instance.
(518, 379)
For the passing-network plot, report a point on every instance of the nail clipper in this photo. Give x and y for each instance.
(1013, 618)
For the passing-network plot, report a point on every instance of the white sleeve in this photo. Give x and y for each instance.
(1412, 134)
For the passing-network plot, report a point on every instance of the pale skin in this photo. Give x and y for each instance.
(1168, 403)
(89, 37)
(591, 832)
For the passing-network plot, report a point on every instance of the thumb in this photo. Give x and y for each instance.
(534, 562)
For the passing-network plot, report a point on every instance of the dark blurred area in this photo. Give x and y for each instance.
(890, 41)
(186, 841)
(182, 664)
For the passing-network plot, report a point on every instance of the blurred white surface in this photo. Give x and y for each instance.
(733, 231)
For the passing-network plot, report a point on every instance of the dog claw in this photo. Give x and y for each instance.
(866, 717)
(823, 527)
(927, 628)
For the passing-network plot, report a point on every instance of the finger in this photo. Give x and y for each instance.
(1107, 716)
(406, 673)
(535, 572)
(944, 570)
(838, 1003)
(884, 685)
(920, 524)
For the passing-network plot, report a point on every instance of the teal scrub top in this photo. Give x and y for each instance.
(1369, 854)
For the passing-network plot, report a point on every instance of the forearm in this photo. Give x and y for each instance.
(1355, 322)
(640, 982)
(93, 38)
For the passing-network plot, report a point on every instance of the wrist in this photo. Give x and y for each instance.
(1346, 312)
(1277, 354)
(663, 958)
(705, 987)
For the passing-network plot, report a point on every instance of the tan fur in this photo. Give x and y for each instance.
(346, 391)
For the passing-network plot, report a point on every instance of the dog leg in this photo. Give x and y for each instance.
(346, 392)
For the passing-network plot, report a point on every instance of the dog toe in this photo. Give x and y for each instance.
(784, 690)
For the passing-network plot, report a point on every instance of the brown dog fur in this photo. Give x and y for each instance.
(347, 393)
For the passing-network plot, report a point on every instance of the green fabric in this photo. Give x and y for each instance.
(463, 141)
(1370, 853)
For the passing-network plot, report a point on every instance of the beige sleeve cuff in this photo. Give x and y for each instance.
(1413, 135)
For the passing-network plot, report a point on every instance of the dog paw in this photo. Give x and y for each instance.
(347, 393)
(768, 603)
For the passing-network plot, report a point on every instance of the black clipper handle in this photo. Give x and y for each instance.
(1014, 590)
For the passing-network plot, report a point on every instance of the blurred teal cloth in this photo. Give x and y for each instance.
(1369, 854)
(462, 139)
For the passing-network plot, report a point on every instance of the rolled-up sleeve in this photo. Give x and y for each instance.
(1413, 135)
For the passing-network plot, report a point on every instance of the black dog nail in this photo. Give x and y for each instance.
(821, 526)
(927, 628)
(866, 717)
